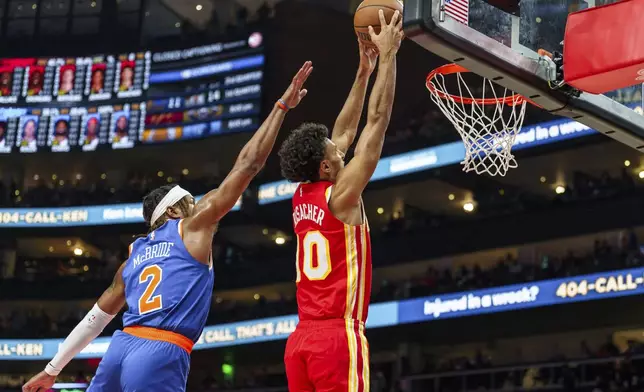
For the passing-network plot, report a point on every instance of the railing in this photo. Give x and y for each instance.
(551, 376)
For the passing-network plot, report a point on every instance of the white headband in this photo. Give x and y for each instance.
(171, 198)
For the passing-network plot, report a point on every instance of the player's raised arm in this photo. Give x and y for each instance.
(106, 308)
(346, 125)
(214, 205)
(354, 177)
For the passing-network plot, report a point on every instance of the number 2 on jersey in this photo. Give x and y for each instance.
(147, 303)
(314, 239)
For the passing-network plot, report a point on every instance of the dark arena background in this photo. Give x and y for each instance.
(532, 281)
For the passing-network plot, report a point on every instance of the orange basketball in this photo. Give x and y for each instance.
(367, 15)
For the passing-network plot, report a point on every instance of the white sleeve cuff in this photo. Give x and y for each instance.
(87, 330)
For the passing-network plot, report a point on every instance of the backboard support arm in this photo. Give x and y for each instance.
(525, 75)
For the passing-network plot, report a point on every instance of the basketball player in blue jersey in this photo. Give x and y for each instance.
(167, 281)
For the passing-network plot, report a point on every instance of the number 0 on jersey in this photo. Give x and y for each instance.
(314, 243)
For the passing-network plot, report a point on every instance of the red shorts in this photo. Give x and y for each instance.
(327, 355)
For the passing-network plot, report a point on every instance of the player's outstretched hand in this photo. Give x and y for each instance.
(294, 93)
(368, 57)
(390, 36)
(41, 382)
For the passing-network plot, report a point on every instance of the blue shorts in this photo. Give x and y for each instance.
(133, 364)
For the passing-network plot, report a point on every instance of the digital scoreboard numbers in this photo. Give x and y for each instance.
(137, 120)
(43, 127)
(200, 122)
(208, 96)
(99, 79)
(13, 123)
(190, 101)
(39, 79)
(64, 104)
(16, 84)
(240, 124)
(145, 61)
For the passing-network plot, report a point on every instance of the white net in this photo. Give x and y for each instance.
(488, 124)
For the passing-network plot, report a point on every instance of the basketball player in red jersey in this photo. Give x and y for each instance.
(328, 350)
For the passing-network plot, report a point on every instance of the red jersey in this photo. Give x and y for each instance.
(333, 261)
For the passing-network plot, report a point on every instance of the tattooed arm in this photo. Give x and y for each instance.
(113, 299)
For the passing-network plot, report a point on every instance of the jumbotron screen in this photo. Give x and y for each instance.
(123, 100)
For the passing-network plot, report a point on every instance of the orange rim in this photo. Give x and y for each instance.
(449, 69)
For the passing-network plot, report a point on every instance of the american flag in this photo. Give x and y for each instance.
(458, 9)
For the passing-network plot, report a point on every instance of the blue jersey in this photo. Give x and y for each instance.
(165, 287)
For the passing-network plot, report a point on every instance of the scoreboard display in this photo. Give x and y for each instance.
(123, 100)
(42, 80)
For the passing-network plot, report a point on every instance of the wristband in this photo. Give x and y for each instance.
(52, 370)
(87, 330)
(282, 105)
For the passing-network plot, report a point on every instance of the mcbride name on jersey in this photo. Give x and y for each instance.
(152, 252)
(333, 262)
(165, 287)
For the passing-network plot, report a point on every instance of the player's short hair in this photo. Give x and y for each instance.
(302, 152)
(152, 200)
(66, 126)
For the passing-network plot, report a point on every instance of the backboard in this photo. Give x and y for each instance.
(503, 47)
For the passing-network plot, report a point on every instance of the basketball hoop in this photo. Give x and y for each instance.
(488, 134)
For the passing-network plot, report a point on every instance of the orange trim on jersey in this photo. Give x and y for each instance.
(365, 356)
(347, 257)
(129, 249)
(365, 221)
(362, 284)
(355, 253)
(353, 356)
(298, 273)
(161, 335)
(352, 272)
(327, 194)
(180, 227)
